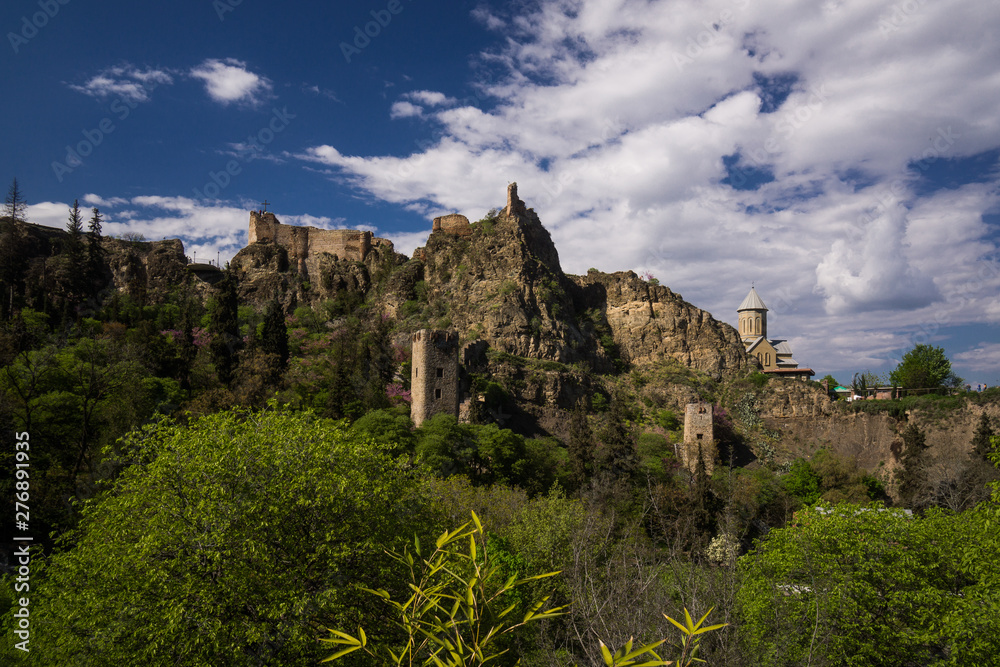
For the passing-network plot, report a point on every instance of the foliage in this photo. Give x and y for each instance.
(866, 585)
(227, 542)
(924, 367)
(486, 453)
(690, 643)
(802, 482)
(457, 612)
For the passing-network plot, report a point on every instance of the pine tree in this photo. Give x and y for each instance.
(74, 249)
(95, 251)
(15, 207)
(13, 240)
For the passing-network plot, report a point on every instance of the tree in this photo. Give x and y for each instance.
(75, 266)
(13, 239)
(230, 541)
(15, 207)
(95, 251)
(865, 585)
(224, 327)
(580, 447)
(912, 477)
(274, 332)
(924, 367)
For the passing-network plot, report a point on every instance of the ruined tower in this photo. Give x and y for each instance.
(699, 433)
(434, 379)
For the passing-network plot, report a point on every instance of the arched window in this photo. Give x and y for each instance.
(767, 357)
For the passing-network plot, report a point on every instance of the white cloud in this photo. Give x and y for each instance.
(229, 80)
(405, 109)
(101, 202)
(984, 358)
(127, 82)
(431, 98)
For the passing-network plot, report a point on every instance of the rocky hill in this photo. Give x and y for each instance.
(499, 280)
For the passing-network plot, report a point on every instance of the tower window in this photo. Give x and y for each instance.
(416, 372)
(437, 394)
(440, 372)
(699, 435)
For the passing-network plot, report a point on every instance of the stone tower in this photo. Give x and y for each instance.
(753, 317)
(699, 433)
(434, 378)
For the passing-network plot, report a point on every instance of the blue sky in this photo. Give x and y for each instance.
(842, 155)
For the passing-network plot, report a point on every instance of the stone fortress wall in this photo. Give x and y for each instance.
(305, 242)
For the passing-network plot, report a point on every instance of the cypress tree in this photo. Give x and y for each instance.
(274, 333)
(913, 475)
(224, 328)
(580, 447)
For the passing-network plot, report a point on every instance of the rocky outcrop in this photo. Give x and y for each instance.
(650, 322)
(502, 282)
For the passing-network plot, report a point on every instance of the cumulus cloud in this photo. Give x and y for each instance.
(127, 82)
(404, 109)
(229, 80)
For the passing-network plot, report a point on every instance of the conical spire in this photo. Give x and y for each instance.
(752, 302)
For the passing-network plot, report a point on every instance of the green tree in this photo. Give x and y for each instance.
(863, 585)
(802, 482)
(224, 328)
(912, 477)
(230, 541)
(274, 332)
(924, 367)
(75, 266)
(580, 447)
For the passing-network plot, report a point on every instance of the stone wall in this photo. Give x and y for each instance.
(434, 380)
(303, 243)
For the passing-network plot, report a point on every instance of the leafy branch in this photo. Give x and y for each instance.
(456, 612)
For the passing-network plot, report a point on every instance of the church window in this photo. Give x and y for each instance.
(767, 358)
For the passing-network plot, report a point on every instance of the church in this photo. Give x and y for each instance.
(774, 354)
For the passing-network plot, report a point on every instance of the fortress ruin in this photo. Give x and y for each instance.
(303, 243)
